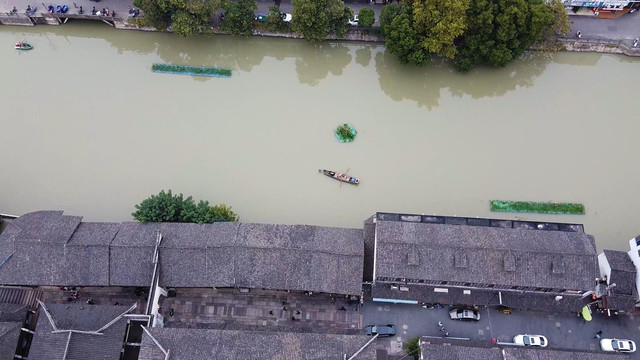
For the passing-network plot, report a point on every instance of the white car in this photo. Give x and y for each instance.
(531, 340)
(354, 21)
(618, 345)
(286, 17)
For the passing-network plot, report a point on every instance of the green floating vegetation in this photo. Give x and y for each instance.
(537, 207)
(346, 133)
(191, 70)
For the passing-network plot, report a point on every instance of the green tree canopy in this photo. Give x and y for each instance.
(389, 12)
(440, 22)
(404, 42)
(275, 22)
(412, 347)
(501, 30)
(366, 18)
(239, 16)
(166, 207)
(315, 18)
(186, 17)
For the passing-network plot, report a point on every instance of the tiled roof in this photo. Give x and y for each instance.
(9, 334)
(199, 344)
(485, 255)
(284, 257)
(623, 272)
(98, 332)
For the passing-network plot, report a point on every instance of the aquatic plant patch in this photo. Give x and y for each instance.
(537, 207)
(346, 133)
(191, 70)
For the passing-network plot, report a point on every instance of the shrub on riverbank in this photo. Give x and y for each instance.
(166, 207)
(537, 207)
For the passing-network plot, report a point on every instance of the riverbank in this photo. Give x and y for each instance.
(584, 44)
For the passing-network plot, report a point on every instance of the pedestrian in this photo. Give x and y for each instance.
(90, 301)
(116, 303)
(75, 5)
(446, 334)
(579, 34)
(597, 336)
(293, 318)
(172, 311)
(285, 308)
(297, 312)
(440, 323)
(270, 312)
(442, 329)
(635, 42)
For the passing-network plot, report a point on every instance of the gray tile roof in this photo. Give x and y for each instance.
(106, 344)
(485, 255)
(623, 272)
(9, 334)
(13, 312)
(199, 344)
(285, 257)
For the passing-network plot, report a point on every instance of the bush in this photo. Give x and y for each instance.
(537, 207)
(166, 207)
(412, 347)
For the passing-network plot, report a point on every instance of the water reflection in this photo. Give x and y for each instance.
(424, 85)
(323, 59)
(363, 55)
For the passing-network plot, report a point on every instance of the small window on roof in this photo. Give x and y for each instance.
(460, 259)
(413, 258)
(509, 262)
(557, 265)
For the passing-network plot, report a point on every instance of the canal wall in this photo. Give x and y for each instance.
(624, 47)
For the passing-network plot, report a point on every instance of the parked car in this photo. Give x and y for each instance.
(286, 17)
(354, 21)
(618, 345)
(531, 340)
(382, 330)
(261, 18)
(464, 314)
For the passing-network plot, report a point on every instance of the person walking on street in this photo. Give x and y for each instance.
(579, 34)
(635, 42)
(597, 336)
(440, 323)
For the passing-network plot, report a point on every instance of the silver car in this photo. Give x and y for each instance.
(618, 345)
(464, 314)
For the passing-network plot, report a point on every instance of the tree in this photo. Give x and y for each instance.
(559, 26)
(186, 17)
(366, 18)
(412, 347)
(501, 30)
(166, 207)
(275, 22)
(315, 18)
(440, 22)
(389, 12)
(404, 42)
(184, 24)
(239, 17)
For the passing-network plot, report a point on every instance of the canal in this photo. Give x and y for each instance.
(86, 127)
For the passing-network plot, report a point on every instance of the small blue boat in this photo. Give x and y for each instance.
(58, 9)
(65, 8)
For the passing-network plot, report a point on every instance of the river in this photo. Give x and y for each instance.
(87, 128)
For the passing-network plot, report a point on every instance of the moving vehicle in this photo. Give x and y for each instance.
(354, 21)
(618, 345)
(286, 17)
(340, 176)
(21, 45)
(381, 330)
(464, 314)
(531, 340)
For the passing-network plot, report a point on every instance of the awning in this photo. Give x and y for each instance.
(586, 313)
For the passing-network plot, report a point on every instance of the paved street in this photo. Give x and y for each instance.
(564, 331)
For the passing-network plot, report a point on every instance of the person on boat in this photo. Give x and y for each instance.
(28, 8)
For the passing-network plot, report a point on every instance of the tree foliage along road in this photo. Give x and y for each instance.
(314, 19)
(501, 30)
(166, 207)
(366, 18)
(492, 32)
(186, 17)
(239, 16)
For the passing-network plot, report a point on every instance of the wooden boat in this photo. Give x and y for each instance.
(23, 46)
(340, 176)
